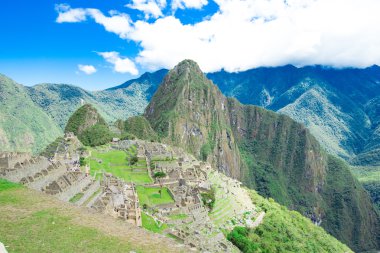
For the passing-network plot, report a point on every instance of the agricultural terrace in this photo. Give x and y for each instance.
(120, 163)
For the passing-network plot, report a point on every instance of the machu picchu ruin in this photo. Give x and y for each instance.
(162, 190)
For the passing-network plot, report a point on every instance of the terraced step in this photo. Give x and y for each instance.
(89, 193)
(44, 181)
(28, 171)
(90, 201)
(74, 189)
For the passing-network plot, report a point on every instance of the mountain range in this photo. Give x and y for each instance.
(268, 151)
(341, 107)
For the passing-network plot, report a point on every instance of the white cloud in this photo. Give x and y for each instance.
(120, 64)
(119, 23)
(87, 69)
(245, 34)
(66, 14)
(194, 4)
(151, 8)
(116, 22)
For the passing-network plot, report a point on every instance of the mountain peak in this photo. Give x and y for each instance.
(187, 66)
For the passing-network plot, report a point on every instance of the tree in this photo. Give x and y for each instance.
(159, 174)
(134, 160)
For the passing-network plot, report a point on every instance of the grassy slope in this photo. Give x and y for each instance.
(285, 231)
(34, 222)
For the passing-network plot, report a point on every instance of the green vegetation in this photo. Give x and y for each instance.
(36, 223)
(283, 231)
(273, 154)
(369, 177)
(89, 126)
(77, 197)
(83, 118)
(205, 151)
(24, 126)
(6, 185)
(159, 174)
(149, 224)
(138, 126)
(208, 198)
(117, 163)
(152, 197)
(96, 135)
(346, 199)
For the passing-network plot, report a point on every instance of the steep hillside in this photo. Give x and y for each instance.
(283, 231)
(336, 105)
(139, 127)
(189, 111)
(267, 151)
(89, 126)
(23, 125)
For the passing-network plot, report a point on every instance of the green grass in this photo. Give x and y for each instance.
(6, 185)
(149, 224)
(76, 197)
(36, 223)
(116, 162)
(151, 196)
(47, 231)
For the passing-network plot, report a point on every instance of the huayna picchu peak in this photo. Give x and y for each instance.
(267, 151)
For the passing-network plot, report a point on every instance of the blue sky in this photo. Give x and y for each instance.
(97, 44)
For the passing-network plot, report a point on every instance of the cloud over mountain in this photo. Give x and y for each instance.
(247, 34)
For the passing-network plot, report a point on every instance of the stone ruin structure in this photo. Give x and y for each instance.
(63, 179)
(118, 199)
(186, 178)
(54, 178)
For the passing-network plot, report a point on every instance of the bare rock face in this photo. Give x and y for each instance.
(267, 151)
